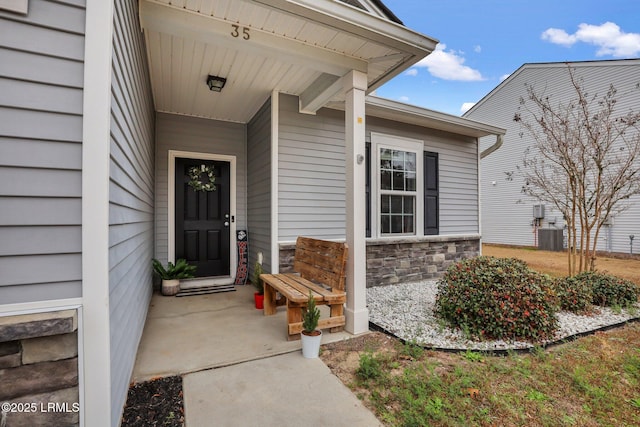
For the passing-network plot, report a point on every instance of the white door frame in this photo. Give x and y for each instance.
(171, 214)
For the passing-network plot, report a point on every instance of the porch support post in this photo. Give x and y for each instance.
(357, 315)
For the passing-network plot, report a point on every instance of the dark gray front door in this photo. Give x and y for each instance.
(203, 218)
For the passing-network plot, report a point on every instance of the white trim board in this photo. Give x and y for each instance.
(94, 350)
(171, 208)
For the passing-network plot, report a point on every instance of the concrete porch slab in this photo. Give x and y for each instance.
(194, 333)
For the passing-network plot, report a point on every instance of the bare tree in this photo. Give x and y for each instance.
(585, 160)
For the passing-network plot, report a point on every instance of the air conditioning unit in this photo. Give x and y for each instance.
(538, 211)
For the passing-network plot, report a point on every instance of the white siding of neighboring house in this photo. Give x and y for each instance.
(131, 199)
(259, 186)
(312, 173)
(183, 133)
(41, 81)
(507, 213)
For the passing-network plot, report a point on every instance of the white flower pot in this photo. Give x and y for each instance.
(311, 345)
(170, 287)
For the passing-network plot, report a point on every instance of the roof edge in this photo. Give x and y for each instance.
(529, 65)
(411, 114)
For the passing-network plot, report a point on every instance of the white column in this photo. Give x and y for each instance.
(357, 315)
(95, 357)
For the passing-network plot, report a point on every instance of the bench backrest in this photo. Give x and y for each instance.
(321, 261)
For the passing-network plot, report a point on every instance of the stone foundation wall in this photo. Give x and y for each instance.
(401, 260)
(39, 369)
(413, 259)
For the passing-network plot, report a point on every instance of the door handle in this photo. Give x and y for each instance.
(226, 223)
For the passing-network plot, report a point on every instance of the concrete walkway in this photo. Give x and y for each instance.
(238, 367)
(280, 391)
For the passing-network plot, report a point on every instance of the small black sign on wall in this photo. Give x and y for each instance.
(243, 257)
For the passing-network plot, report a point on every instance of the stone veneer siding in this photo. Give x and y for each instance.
(39, 369)
(409, 259)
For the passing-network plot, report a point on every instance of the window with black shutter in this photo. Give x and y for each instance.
(393, 206)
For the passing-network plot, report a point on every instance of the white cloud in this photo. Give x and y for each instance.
(608, 37)
(449, 66)
(412, 72)
(477, 49)
(504, 77)
(466, 107)
(557, 36)
(404, 98)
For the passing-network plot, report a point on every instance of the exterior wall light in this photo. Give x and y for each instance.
(216, 83)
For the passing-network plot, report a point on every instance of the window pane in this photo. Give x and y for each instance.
(396, 224)
(385, 224)
(410, 162)
(408, 205)
(396, 204)
(410, 181)
(385, 180)
(408, 224)
(385, 204)
(398, 181)
(398, 160)
(397, 214)
(385, 158)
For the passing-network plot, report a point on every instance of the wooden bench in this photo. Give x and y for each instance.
(319, 267)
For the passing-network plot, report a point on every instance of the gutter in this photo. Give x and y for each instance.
(494, 147)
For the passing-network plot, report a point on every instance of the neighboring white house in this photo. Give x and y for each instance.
(507, 214)
(106, 105)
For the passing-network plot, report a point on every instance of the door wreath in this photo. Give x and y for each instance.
(196, 175)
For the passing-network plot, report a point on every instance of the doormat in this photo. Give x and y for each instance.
(213, 289)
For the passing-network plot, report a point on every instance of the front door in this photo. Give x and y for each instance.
(203, 218)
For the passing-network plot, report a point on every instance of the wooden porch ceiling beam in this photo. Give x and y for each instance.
(208, 29)
(316, 96)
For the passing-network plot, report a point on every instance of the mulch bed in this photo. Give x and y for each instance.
(157, 402)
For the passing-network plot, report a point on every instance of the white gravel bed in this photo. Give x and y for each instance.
(406, 310)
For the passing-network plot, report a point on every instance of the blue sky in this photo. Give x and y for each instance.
(483, 41)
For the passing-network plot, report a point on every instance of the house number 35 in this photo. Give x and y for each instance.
(237, 33)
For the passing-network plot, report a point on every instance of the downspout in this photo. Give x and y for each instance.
(494, 147)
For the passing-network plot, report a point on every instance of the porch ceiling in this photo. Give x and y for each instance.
(287, 46)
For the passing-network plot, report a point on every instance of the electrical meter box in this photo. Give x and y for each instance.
(538, 211)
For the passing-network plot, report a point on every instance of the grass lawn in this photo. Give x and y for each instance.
(592, 381)
(555, 263)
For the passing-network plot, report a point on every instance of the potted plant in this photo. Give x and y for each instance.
(311, 337)
(258, 296)
(172, 274)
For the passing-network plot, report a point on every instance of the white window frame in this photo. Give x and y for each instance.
(398, 143)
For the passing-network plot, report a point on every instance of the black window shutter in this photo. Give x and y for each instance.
(367, 156)
(430, 193)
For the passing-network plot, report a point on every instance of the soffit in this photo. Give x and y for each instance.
(188, 40)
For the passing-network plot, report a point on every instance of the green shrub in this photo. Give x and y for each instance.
(609, 290)
(497, 298)
(370, 367)
(573, 294)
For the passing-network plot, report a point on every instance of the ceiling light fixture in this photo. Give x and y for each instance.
(216, 83)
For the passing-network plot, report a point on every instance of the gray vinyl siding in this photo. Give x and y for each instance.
(183, 133)
(131, 199)
(312, 173)
(41, 81)
(507, 214)
(259, 186)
